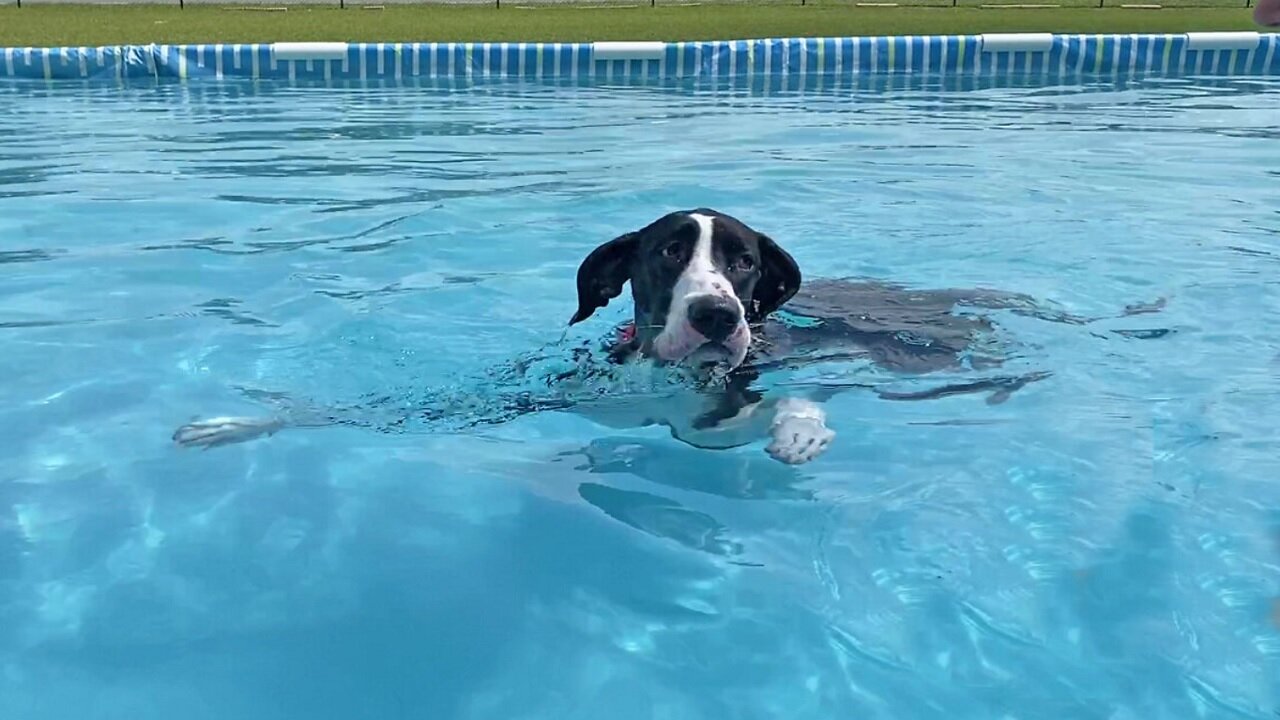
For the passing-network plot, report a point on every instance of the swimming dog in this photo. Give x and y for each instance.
(718, 303)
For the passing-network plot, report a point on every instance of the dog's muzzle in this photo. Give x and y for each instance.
(712, 331)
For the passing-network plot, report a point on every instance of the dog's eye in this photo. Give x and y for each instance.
(673, 251)
(746, 263)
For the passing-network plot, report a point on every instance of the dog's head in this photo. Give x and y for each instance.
(700, 280)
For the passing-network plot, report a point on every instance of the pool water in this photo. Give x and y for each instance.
(1104, 543)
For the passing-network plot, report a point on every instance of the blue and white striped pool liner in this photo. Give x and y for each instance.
(1062, 57)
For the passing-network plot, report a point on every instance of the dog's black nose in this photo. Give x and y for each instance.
(714, 317)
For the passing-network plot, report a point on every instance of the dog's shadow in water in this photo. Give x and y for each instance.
(734, 476)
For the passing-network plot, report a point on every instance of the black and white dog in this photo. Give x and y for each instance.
(720, 303)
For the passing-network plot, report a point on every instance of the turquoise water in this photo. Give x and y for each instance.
(1104, 544)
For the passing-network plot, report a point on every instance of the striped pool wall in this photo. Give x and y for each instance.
(1031, 56)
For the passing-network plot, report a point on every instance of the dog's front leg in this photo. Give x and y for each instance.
(799, 431)
(796, 428)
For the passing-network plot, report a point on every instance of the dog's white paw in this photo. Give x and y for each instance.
(224, 431)
(799, 433)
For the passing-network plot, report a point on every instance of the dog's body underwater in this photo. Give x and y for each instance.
(716, 305)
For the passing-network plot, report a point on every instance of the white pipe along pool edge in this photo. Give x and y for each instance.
(309, 50)
(628, 50)
(1244, 40)
(1017, 42)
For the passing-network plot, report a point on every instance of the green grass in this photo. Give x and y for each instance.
(103, 25)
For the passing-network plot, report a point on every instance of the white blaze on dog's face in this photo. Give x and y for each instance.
(705, 319)
(700, 280)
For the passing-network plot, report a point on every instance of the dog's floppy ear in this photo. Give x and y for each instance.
(779, 279)
(603, 273)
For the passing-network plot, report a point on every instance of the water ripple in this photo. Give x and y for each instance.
(32, 255)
